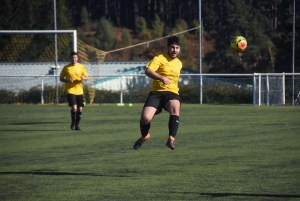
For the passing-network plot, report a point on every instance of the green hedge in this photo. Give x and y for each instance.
(212, 94)
(217, 94)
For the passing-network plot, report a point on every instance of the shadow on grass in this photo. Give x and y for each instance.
(250, 195)
(35, 123)
(60, 174)
(31, 130)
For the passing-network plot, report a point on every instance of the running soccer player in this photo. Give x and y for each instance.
(164, 70)
(72, 75)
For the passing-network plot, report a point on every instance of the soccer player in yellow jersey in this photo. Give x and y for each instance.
(164, 70)
(72, 75)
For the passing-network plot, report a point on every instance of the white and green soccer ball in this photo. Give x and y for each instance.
(239, 44)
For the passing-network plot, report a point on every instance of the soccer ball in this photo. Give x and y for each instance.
(239, 44)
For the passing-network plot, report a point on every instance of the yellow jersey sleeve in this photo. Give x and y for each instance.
(75, 72)
(166, 67)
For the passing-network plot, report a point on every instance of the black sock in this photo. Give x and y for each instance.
(173, 125)
(144, 129)
(73, 117)
(78, 117)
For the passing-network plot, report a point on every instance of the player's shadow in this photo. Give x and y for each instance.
(214, 195)
(60, 174)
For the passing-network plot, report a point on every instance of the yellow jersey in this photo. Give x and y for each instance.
(165, 66)
(75, 72)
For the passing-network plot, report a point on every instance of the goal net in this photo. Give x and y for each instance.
(31, 62)
(269, 89)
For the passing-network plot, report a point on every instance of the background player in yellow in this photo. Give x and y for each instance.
(164, 70)
(72, 75)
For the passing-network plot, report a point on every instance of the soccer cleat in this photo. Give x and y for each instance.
(140, 141)
(77, 128)
(171, 142)
(72, 127)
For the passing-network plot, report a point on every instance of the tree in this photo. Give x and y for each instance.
(157, 27)
(105, 34)
(181, 25)
(84, 17)
(63, 16)
(267, 25)
(283, 38)
(126, 37)
(6, 15)
(141, 28)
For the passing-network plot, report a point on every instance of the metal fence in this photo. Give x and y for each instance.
(255, 89)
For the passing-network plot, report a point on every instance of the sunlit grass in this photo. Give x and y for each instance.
(223, 152)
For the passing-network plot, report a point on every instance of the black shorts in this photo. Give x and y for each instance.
(75, 100)
(158, 100)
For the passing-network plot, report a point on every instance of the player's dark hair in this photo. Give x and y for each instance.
(173, 40)
(73, 53)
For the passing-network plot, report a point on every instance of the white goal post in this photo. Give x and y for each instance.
(73, 32)
(55, 32)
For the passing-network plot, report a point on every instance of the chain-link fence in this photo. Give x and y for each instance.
(255, 89)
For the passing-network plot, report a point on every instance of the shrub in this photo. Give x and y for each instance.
(216, 94)
(212, 94)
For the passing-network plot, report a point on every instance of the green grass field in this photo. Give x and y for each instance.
(223, 152)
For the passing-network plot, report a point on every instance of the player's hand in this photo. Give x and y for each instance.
(71, 80)
(165, 80)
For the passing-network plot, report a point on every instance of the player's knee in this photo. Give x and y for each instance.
(173, 107)
(174, 111)
(145, 120)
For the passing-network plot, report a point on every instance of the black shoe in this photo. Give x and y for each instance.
(140, 141)
(77, 128)
(72, 127)
(171, 143)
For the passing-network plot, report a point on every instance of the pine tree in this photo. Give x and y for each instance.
(84, 18)
(63, 16)
(105, 34)
(126, 37)
(157, 27)
(141, 28)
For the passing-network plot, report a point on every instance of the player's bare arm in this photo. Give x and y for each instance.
(84, 77)
(152, 74)
(62, 79)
